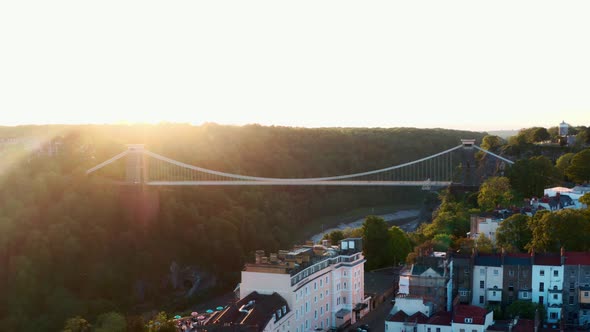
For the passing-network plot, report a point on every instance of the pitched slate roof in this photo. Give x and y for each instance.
(517, 259)
(548, 259)
(577, 258)
(418, 269)
(488, 260)
(260, 313)
(463, 311)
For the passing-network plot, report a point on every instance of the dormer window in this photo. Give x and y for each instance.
(468, 320)
(284, 309)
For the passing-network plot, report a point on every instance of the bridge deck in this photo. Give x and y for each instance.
(302, 183)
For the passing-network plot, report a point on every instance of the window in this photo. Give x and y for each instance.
(438, 329)
(555, 273)
(482, 272)
(555, 296)
(494, 293)
(344, 300)
(511, 286)
(326, 280)
(553, 315)
(338, 301)
(571, 300)
(466, 272)
(321, 282)
(540, 300)
(511, 272)
(345, 285)
(542, 273)
(495, 272)
(321, 296)
(321, 311)
(463, 292)
(327, 307)
(284, 309)
(345, 273)
(306, 324)
(481, 299)
(554, 287)
(429, 330)
(525, 295)
(315, 299)
(315, 314)
(462, 330)
(315, 285)
(571, 286)
(481, 284)
(585, 294)
(541, 286)
(306, 307)
(468, 320)
(327, 322)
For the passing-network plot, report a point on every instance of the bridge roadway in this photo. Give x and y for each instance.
(302, 183)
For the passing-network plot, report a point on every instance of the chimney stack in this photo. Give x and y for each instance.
(258, 256)
(562, 252)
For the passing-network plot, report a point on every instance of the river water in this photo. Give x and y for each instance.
(399, 215)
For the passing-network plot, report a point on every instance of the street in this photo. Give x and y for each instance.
(376, 318)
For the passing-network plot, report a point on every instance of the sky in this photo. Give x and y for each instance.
(453, 64)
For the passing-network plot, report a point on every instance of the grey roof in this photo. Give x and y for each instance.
(511, 260)
(488, 260)
(418, 269)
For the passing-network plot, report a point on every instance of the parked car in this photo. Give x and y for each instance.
(363, 328)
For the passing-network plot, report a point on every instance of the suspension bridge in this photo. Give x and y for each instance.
(144, 167)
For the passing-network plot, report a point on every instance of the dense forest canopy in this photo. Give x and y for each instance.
(71, 245)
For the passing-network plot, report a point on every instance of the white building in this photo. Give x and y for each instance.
(323, 285)
(465, 318)
(411, 305)
(468, 318)
(547, 284)
(486, 225)
(487, 280)
(569, 198)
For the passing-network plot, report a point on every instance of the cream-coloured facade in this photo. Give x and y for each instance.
(323, 285)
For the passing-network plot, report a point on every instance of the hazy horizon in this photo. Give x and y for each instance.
(253, 123)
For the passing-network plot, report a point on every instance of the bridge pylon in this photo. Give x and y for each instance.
(136, 171)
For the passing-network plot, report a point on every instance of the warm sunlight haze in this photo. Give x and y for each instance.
(452, 64)
(294, 166)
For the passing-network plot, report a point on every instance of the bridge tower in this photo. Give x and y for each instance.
(136, 171)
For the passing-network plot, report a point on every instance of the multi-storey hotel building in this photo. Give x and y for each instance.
(323, 285)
